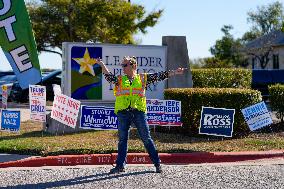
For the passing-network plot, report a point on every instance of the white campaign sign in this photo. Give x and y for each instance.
(56, 89)
(4, 96)
(37, 98)
(65, 110)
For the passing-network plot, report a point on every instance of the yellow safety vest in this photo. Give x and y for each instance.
(130, 95)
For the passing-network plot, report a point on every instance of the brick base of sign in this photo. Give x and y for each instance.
(143, 158)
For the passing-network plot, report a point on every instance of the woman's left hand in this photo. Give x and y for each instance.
(180, 71)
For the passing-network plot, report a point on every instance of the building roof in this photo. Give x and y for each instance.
(275, 38)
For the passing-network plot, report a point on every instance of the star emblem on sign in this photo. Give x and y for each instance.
(86, 63)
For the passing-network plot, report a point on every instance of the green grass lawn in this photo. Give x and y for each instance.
(32, 140)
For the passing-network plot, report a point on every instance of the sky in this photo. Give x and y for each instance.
(199, 20)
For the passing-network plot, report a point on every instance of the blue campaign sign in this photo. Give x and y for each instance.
(257, 116)
(164, 112)
(164, 119)
(217, 121)
(111, 121)
(10, 120)
(98, 118)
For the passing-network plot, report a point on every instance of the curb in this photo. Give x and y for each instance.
(143, 158)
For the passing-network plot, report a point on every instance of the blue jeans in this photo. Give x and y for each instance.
(125, 118)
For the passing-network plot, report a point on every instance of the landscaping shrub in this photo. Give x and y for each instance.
(192, 100)
(221, 78)
(276, 97)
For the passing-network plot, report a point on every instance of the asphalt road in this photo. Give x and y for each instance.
(253, 174)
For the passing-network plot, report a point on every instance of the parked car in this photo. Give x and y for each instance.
(22, 95)
(4, 73)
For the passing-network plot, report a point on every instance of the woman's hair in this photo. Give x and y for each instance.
(131, 59)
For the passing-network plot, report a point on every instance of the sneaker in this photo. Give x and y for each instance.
(116, 170)
(158, 169)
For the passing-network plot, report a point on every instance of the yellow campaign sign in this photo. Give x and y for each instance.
(4, 87)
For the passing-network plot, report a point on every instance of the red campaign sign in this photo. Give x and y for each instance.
(65, 110)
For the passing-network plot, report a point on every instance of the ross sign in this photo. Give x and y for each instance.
(98, 118)
(10, 120)
(65, 110)
(257, 116)
(37, 96)
(17, 42)
(82, 76)
(164, 112)
(217, 121)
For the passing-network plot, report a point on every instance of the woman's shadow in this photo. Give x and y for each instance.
(80, 180)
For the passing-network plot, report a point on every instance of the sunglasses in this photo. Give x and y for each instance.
(125, 65)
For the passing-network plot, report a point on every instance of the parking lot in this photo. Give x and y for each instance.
(17, 94)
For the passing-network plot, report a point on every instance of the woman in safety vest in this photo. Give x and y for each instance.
(130, 107)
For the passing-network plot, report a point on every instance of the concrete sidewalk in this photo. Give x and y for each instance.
(141, 158)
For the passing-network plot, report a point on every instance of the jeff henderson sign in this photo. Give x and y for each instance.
(217, 121)
(164, 112)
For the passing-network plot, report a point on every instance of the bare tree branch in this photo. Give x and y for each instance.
(52, 51)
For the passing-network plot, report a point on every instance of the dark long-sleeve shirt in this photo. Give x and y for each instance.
(151, 77)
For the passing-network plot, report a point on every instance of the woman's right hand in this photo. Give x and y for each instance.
(99, 61)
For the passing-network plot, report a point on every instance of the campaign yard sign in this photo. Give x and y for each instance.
(164, 112)
(217, 121)
(56, 89)
(65, 110)
(10, 120)
(4, 96)
(257, 116)
(37, 103)
(98, 118)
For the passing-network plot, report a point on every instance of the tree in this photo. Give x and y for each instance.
(226, 50)
(267, 21)
(105, 21)
(260, 49)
